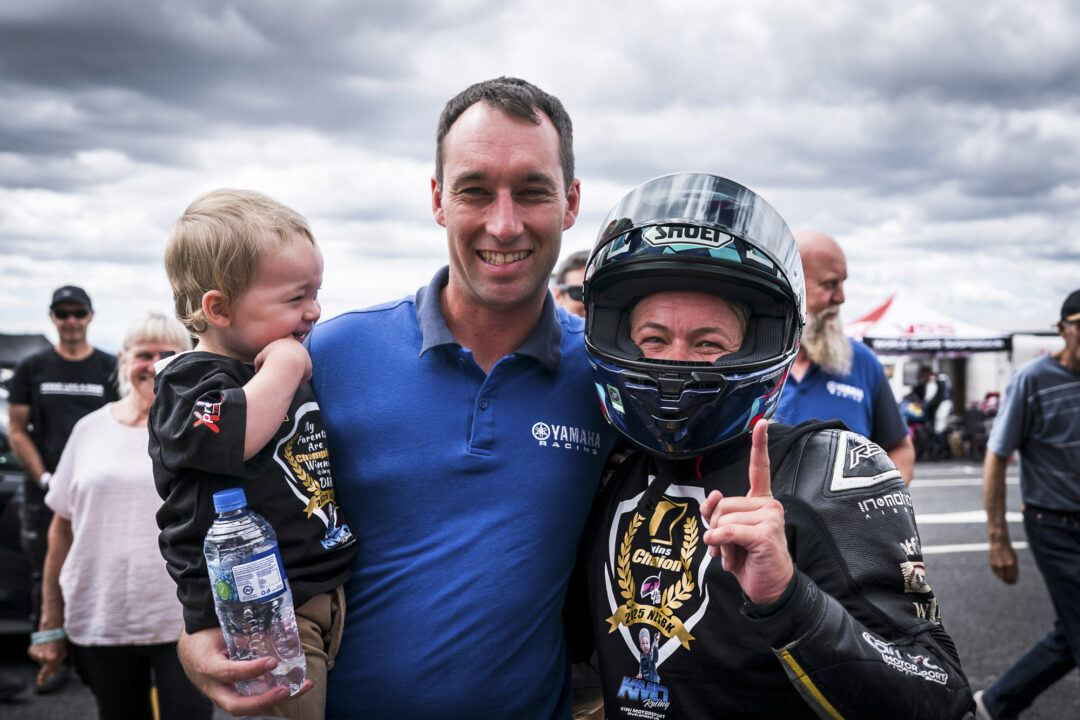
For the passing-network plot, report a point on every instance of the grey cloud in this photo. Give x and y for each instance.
(139, 75)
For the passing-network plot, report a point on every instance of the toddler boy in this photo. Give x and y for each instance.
(238, 412)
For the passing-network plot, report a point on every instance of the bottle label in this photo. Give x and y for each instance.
(260, 578)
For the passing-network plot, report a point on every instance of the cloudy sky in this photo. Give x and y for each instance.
(939, 142)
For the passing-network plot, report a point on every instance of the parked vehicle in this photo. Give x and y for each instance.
(14, 570)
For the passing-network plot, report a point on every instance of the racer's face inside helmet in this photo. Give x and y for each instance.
(687, 326)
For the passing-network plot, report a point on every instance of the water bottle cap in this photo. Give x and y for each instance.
(231, 499)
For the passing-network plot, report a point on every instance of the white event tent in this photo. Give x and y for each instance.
(904, 324)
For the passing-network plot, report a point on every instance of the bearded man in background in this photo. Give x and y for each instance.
(833, 376)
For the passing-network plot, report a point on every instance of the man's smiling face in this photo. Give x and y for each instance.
(504, 204)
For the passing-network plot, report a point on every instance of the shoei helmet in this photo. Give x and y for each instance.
(704, 233)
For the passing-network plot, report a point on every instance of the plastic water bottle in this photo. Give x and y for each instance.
(251, 594)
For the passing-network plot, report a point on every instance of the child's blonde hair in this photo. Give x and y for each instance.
(217, 244)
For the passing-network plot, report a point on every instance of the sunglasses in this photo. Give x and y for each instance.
(65, 314)
(576, 292)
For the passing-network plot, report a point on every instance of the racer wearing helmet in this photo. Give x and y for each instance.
(820, 605)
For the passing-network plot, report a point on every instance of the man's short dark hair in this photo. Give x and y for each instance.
(575, 261)
(517, 98)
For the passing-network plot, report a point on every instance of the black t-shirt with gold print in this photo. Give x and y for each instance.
(197, 427)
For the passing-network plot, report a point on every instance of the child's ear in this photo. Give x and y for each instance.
(216, 309)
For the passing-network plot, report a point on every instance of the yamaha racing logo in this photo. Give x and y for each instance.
(566, 437)
(848, 392)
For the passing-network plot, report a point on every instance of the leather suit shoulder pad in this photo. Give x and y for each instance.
(837, 462)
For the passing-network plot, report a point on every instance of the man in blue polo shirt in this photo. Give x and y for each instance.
(467, 442)
(833, 376)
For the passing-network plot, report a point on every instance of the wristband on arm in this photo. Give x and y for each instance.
(44, 636)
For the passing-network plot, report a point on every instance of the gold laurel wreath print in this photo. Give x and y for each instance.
(675, 595)
(626, 578)
(663, 617)
(318, 495)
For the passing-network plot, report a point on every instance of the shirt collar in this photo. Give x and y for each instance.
(542, 344)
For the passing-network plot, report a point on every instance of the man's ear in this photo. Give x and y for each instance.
(216, 309)
(436, 202)
(573, 204)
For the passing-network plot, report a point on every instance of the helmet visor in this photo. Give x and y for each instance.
(701, 200)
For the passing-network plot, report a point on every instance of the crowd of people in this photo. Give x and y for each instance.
(643, 464)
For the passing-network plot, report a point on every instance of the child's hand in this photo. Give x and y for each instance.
(287, 356)
(280, 369)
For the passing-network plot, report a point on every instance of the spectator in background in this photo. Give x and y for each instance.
(50, 391)
(938, 405)
(1038, 418)
(833, 376)
(105, 586)
(569, 281)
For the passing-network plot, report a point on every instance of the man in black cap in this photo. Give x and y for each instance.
(1038, 418)
(50, 391)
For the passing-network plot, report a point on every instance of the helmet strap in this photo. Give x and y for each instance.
(665, 475)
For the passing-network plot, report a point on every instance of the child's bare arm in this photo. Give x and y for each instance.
(279, 369)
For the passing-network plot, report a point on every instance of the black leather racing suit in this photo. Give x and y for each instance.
(857, 634)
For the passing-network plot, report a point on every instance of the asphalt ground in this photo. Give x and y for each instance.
(991, 623)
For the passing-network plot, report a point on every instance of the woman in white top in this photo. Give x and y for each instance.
(105, 584)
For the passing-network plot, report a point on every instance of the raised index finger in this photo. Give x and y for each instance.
(760, 480)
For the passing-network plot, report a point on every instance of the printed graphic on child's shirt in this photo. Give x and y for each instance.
(207, 414)
(302, 453)
(656, 562)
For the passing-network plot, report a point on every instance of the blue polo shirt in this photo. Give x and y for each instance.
(862, 399)
(468, 493)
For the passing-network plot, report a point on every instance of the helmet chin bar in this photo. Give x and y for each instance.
(668, 402)
(670, 384)
(685, 412)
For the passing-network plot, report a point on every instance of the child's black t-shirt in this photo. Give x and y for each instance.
(197, 426)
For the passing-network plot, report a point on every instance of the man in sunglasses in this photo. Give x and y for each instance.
(50, 391)
(568, 283)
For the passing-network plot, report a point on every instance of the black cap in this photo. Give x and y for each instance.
(70, 293)
(1070, 311)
